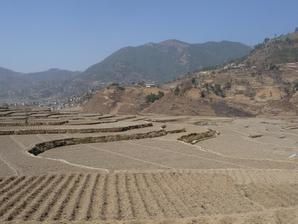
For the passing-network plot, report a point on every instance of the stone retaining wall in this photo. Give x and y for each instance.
(74, 130)
(45, 146)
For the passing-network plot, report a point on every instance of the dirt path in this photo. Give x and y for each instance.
(72, 164)
(10, 166)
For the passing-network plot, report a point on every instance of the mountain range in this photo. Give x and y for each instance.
(152, 62)
(163, 61)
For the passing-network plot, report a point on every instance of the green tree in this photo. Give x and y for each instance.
(151, 98)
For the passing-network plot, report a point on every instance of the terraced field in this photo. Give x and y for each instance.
(150, 195)
(144, 174)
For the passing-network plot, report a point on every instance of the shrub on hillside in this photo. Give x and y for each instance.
(218, 90)
(151, 98)
(177, 91)
(194, 82)
(116, 86)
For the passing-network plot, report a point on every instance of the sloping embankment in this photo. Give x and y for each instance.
(34, 123)
(44, 146)
(73, 130)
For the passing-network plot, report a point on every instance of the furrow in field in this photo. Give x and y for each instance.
(26, 189)
(239, 188)
(156, 195)
(77, 212)
(189, 194)
(232, 173)
(26, 201)
(64, 206)
(165, 203)
(152, 205)
(138, 208)
(229, 173)
(242, 177)
(290, 193)
(104, 203)
(180, 200)
(268, 195)
(6, 181)
(129, 195)
(246, 190)
(40, 199)
(96, 200)
(90, 200)
(206, 188)
(53, 199)
(68, 199)
(11, 186)
(257, 177)
(287, 193)
(10, 194)
(272, 178)
(180, 208)
(249, 176)
(118, 198)
(110, 210)
(254, 176)
(199, 202)
(125, 209)
(139, 190)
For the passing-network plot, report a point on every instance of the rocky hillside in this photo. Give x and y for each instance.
(116, 99)
(266, 82)
(243, 91)
(282, 49)
(162, 61)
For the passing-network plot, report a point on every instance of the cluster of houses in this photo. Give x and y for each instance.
(234, 66)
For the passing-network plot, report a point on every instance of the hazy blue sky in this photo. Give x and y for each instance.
(73, 34)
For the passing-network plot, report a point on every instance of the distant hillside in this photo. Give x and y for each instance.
(282, 49)
(11, 82)
(53, 74)
(162, 61)
(265, 82)
(19, 87)
(157, 62)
